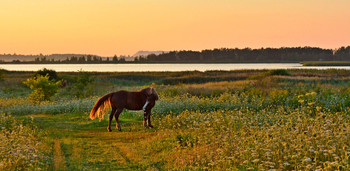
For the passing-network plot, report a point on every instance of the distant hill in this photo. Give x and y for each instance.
(145, 53)
(11, 57)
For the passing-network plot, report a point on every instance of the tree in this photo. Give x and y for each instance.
(88, 58)
(121, 59)
(115, 58)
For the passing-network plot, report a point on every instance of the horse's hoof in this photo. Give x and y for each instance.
(109, 129)
(150, 126)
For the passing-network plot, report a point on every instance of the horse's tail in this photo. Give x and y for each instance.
(100, 106)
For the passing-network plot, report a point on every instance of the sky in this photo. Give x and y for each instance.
(123, 27)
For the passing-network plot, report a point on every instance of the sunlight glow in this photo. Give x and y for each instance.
(108, 27)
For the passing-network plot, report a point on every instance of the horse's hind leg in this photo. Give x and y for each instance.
(117, 118)
(110, 119)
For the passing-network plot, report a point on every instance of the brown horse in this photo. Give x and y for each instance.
(141, 100)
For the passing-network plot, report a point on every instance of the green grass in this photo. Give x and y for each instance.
(284, 120)
(326, 63)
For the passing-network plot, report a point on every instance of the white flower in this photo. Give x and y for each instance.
(286, 163)
(256, 160)
(308, 160)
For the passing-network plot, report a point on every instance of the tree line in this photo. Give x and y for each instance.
(73, 60)
(82, 59)
(234, 55)
(284, 54)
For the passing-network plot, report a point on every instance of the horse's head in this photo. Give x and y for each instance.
(151, 93)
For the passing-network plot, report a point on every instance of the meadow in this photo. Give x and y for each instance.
(326, 63)
(214, 120)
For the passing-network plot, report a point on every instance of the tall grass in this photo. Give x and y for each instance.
(70, 106)
(250, 140)
(20, 147)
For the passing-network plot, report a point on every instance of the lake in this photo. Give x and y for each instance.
(157, 67)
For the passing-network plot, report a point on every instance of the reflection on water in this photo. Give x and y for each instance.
(156, 67)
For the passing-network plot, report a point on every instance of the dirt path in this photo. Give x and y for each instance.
(81, 144)
(59, 162)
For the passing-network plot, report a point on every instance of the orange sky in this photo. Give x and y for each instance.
(123, 27)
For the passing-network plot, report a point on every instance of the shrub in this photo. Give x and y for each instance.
(278, 72)
(43, 72)
(83, 87)
(43, 88)
(2, 73)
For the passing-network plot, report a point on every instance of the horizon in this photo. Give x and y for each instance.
(163, 51)
(107, 28)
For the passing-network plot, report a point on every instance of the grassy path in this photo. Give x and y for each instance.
(79, 143)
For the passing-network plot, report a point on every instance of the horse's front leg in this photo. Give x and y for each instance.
(145, 113)
(117, 118)
(149, 119)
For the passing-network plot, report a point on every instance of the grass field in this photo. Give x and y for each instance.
(326, 63)
(215, 120)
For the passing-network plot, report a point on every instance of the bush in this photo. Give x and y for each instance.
(83, 87)
(2, 73)
(278, 72)
(43, 72)
(43, 88)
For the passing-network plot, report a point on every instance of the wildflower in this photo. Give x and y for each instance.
(286, 164)
(308, 160)
(256, 160)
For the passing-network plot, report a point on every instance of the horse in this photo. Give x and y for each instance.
(140, 100)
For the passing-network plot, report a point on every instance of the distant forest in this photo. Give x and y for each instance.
(284, 54)
(59, 58)
(236, 55)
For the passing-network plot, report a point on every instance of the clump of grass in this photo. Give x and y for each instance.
(269, 73)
